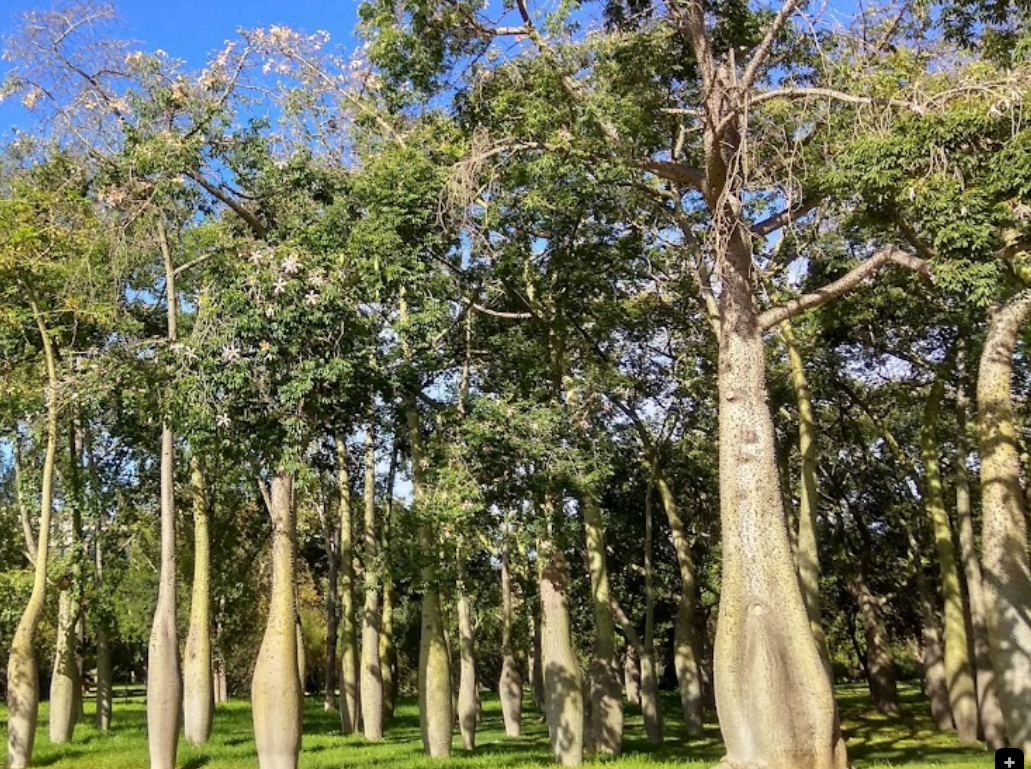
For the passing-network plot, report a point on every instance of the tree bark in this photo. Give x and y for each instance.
(958, 671)
(105, 684)
(331, 536)
(64, 680)
(387, 650)
(651, 705)
(807, 550)
(276, 696)
(436, 716)
(22, 672)
(935, 684)
(510, 687)
(198, 684)
(348, 624)
(765, 654)
(605, 705)
(632, 676)
(164, 680)
(993, 726)
(1007, 571)
(372, 676)
(467, 684)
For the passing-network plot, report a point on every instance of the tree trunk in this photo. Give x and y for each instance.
(276, 697)
(198, 684)
(302, 654)
(348, 623)
(221, 674)
(651, 705)
(605, 706)
(807, 550)
(105, 684)
(765, 654)
(563, 697)
(372, 676)
(935, 685)
(22, 673)
(632, 676)
(880, 660)
(685, 651)
(537, 665)
(64, 680)
(164, 680)
(467, 684)
(510, 687)
(958, 671)
(331, 535)
(993, 727)
(387, 650)
(1007, 572)
(436, 714)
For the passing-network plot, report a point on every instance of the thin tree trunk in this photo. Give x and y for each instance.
(348, 623)
(685, 642)
(436, 709)
(993, 726)
(935, 684)
(22, 673)
(510, 687)
(302, 654)
(537, 663)
(387, 650)
(632, 676)
(958, 671)
(807, 550)
(467, 684)
(651, 705)
(164, 680)
(23, 509)
(372, 676)
(104, 690)
(1007, 571)
(276, 696)
(198, 683)
(331, 536)
(221, 674)
(605, 701)
(764, 644)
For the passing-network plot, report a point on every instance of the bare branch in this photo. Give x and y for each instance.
(843, 285)
(834, 95)
(785, 217)
(249, 218)
(675, 172)
(500, 314)
(762, 53)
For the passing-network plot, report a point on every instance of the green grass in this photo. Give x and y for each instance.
(873, 740)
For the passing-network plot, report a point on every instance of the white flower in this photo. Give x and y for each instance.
(279, 286)
(230, 353)
(317, 279)
(291, 265)
(270, 311)
(312, 298)
(223, 420)
(257, 257)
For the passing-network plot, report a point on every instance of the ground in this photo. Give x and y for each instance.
(873, 740)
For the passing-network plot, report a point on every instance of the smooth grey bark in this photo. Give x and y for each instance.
(198, 683)
(632, 676)
(371, 676)
(467, 705)
(348, 622)
(510, 686)
(387, 650)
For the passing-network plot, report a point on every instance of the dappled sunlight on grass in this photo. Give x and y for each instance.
(873, 740)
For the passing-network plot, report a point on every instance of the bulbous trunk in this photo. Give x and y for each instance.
(198, 684)
(164, 681)
(64, 680)
(563, 697)
(765, 653)
(276, 697)
(632, 676)
(510, 686)
(606, 705)
(958, 670)
(371, 677)
(1007, 571)
(348, 625)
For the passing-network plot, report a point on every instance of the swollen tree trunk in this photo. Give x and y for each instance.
(958, 671)
(993, 727)
(436, 715)
(372, 676)
(22, 673)
(348, 625)
(563, 696)
(1007, 571)
(765, 655)
(276, 697)
(198, 684)
(467, 699)
(807, 551)
(685, 651)
(164, 682)
(605, 706)
(64, 680)
(510, 687)
(331, 536)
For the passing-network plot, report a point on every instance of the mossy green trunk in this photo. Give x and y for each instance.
(348, 623)
(606, 704)
(22, 673)
(198, 683)
(1007, 571)
(276, 697)
(371, 676)
(958, 670)
(510, 685)
(765, 654)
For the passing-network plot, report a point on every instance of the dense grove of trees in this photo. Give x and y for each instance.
(584, 349)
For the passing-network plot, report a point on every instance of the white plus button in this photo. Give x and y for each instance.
(1009, 763)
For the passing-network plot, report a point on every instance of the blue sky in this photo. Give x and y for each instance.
(191, 29)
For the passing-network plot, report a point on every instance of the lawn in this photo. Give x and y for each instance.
(872, 740)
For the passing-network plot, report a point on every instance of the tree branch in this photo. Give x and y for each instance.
(785, 217)
(832, 94)
(249, 218)
(843, 285)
